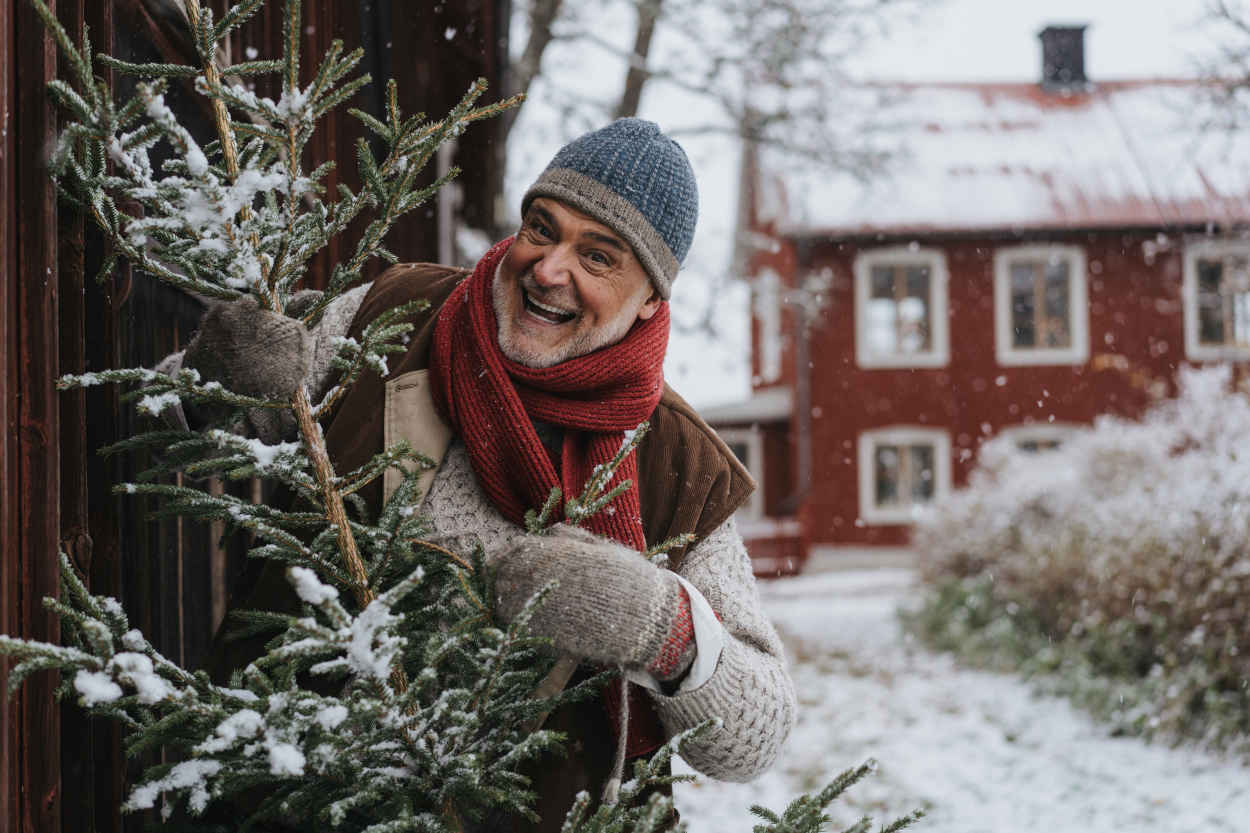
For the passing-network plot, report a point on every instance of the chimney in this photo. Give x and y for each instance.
(1063, 58)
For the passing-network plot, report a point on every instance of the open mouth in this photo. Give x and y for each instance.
(553, 315)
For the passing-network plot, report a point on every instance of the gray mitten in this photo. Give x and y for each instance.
(611, 606)
(250, 350)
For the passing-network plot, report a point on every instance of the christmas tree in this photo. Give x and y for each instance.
(393, 700)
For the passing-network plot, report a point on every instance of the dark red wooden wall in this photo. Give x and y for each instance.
(59, 771)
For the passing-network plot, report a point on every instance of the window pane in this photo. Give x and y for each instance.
(882, 317)
(1241, 319)
(882, 332)
(917, 278)
(1057, 302)
(1236, 288)
(914, 311)
(1022, 305)
(899, 310)
(1210, 302)
(921, 471)
(739, 449)
(882, 280)
(886, 460)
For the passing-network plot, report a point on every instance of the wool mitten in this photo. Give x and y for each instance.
(610, 605)
(250, 350)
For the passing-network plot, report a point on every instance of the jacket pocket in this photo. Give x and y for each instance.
(410, 415)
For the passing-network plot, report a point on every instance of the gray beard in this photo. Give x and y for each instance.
(603, 336)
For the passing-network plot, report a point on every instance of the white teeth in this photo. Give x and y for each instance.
(545, 308)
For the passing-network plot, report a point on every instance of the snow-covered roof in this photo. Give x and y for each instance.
(773, 404)
(1014, 156)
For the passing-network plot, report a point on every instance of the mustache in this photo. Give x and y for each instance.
(562, 297)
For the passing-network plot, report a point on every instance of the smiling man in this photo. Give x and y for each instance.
(524, 375)
(567, 287)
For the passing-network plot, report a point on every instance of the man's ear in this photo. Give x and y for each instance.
(650, 305)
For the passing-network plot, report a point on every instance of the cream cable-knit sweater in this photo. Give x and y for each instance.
(750, 692)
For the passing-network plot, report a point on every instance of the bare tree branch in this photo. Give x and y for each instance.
(631, 96)
(542, 18)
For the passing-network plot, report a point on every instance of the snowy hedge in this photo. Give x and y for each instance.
(1117, 566)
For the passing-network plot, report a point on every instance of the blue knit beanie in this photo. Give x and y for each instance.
(637, 182)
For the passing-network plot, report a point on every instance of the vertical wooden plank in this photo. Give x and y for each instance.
(91, 757)
(38, 463)
(10, 732)
(77, 754)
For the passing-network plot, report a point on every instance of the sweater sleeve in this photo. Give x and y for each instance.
(750, 691)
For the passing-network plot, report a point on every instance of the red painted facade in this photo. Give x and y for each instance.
(1120, 175)
(1134, 314)
(1136, 333)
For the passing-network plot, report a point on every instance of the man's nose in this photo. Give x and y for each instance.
(555, 267)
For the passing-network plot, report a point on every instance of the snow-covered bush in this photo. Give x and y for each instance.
(1121, 561)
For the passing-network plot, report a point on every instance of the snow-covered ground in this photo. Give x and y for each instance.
(978, 751)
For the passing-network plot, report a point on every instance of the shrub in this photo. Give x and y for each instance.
(1115, 568)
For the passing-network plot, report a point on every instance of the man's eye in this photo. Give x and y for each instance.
(599, 258)
(540, 229)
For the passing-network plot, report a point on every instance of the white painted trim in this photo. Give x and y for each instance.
(775, 404)
(764, 527)
(753, 509)
(935, 259)
(940, 439)
(1043, 431)
(1005, 352)
(1195, 249)
(767, 308)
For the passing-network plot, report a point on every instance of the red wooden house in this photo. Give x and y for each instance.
(1033, 256)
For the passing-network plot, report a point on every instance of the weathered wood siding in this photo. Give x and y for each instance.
(58, 770)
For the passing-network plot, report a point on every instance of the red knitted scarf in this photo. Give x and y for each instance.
(491, 403)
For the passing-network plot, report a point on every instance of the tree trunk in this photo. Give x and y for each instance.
(521, 76)
(636, 78)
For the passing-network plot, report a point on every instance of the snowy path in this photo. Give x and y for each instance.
(977, 750)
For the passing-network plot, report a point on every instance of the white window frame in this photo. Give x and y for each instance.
(753, 509)
(939, 353)
(1038, 432)
(768, 314)
(1005, 351)
(939, 438)
(1195, 250)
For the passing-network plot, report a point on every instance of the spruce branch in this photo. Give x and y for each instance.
(434, 707)
(538, 522)
(806, 814)
(596, 495)
(310, 430)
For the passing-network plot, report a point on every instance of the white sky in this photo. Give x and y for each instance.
(993, 40)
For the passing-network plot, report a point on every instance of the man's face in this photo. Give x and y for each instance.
(569, 285)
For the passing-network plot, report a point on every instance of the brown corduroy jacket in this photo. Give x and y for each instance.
(688, 479)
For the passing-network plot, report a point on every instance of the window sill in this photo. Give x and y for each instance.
(1025, 358)
(1214, 353)
(889, 361)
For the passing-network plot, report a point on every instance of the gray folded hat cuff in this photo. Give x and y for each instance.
(592, 197)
